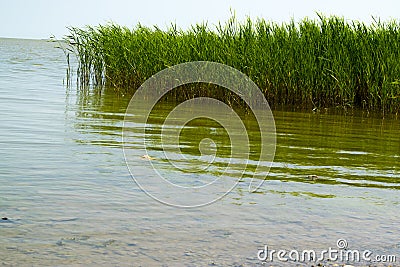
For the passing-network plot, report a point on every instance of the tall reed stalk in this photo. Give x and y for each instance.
(328, 62)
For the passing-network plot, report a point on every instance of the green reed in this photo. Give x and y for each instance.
(328, 62)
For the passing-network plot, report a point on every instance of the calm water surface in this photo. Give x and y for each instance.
(70, 200)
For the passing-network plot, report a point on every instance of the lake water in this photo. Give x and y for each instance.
(70, 199)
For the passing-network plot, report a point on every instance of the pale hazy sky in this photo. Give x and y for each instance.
(42, 18)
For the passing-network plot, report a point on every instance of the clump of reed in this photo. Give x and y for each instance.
(329, 62)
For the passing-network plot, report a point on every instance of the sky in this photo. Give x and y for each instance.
(40, 19)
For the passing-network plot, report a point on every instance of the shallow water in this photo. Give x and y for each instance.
(69, 198)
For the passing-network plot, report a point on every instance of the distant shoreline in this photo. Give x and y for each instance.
(26, 39)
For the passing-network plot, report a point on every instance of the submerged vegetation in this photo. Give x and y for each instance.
(328, 62)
